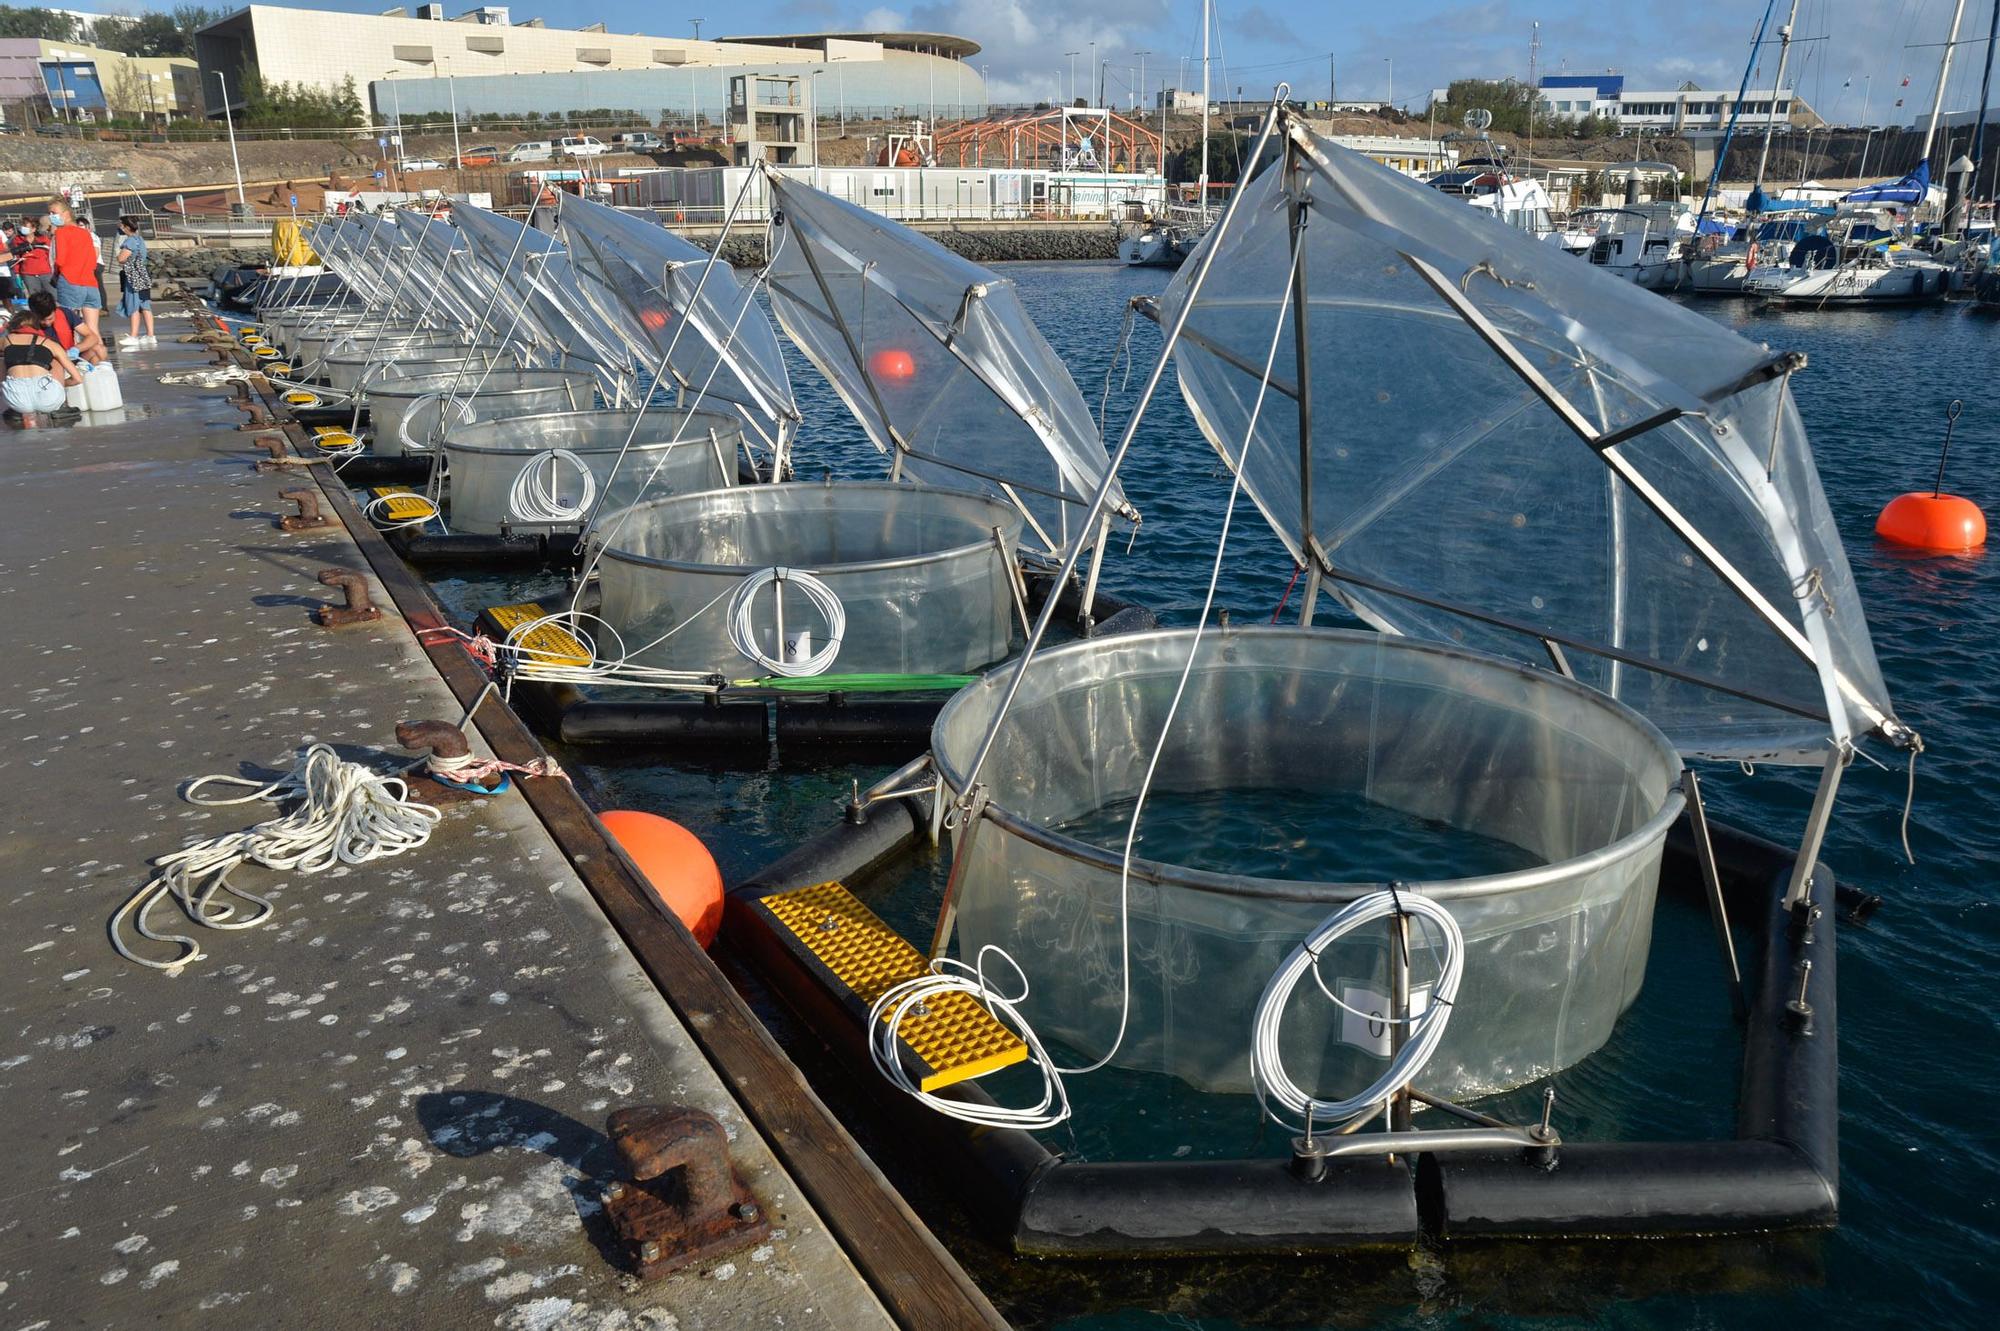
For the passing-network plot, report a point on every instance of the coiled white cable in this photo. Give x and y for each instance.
(743, 627)
(446, 402)
(913, 998)
(536, 495)
(1274, 1087)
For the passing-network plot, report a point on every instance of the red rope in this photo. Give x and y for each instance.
(1284, 600)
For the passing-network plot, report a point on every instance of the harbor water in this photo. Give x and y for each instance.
(1919, 1242)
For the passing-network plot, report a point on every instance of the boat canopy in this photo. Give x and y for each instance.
(729, 358)
(1910, 189)
(1511, 450)
(542, 291)
(937, 359)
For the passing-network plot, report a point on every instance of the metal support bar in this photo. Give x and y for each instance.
(1816, 821)
(1557, 659)
(1399, 1013)
(971, 807)
(1298, 211)
(1423, 1143)
(1711, 878)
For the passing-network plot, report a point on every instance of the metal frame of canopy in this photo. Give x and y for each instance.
(893, 440)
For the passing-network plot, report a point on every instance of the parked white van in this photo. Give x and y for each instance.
(533, 150)
(580, 145)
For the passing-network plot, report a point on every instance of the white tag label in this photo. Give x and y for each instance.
(798, 646)
(1371, 1033)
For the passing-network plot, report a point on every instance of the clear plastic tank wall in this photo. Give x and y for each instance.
(372, 363)
(674, 452)
(920, 572)
(1555, 953)
(405, 409)
(318, 341)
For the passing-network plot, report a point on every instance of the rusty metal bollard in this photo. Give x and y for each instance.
(358, 609)
(274, 446)
(442, 738)
(308, 518)
(665, 1227)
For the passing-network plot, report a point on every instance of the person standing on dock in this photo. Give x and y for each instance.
(135, 282)
(76, 261)
(32, 263)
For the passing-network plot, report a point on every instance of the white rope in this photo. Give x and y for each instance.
(536, 495)
(376, 511)
(446, 402)
(743, 626)
(349, 815)
(1275, 1087)
(914, 997)
(618, 667)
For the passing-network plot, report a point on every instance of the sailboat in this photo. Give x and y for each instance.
(1713, 268)
(1164, 244)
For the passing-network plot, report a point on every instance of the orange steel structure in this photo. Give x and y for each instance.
(1064, 138)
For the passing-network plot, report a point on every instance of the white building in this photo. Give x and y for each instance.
(1681, 110)
(482, 50)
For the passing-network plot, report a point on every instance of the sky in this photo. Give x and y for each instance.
(1849, 55)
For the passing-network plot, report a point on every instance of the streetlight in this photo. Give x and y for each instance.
(1390, 99)
(1072, 74)
(451, 84)
(697, 26)
(1142, 78)
(396, 125)
(1098, 98)
(229, 121)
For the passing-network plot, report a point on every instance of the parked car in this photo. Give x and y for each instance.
(580, 145)
(641, 141)
(8, 127)
(531, 150)
(484, 155)
(419, 164)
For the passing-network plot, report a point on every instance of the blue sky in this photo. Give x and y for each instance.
(1848, 48)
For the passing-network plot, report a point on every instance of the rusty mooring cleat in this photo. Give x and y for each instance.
(358, 609)
(445, 742)
(684, 1202)
(278, 460)
(308, 518)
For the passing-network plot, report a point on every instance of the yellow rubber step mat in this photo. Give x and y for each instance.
(957, 1039)
(301, 398)
(551, 644)
(266, 353)
(402, 504)
(332, 436)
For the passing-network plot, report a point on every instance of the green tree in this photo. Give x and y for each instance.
(44, 23)
(1509, 101)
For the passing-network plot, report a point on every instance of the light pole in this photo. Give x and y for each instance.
(451, 86)
(395, 126)
(1142, 78)
(1097, 98)
(1072, 75)
(229, 122)
(697, 26)
(1390, 99)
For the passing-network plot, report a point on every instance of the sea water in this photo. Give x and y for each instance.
(1300, 834)
(1919, 1240)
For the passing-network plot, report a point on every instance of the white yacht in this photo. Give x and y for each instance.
(1717, 267)
(1857, 261)
(1633, 243)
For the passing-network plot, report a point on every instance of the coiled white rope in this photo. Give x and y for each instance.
(948, 976)
(536, 495)
(743, 626)
(349, 815)
(446, 402)
(376, 511)
(1275, 1088)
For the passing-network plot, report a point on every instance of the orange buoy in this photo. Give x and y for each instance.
(1933, 522)
(677, 866)
(895, 365)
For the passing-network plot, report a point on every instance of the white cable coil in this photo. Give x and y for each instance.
(376, 510)
(349, 815)
(948, 976)
(1274, 1087)
(743, 627)
(445, 401)
(536, 495)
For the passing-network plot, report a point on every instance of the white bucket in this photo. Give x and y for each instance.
(73, 396)
(100, 389)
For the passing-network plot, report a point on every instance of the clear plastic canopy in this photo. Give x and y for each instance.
(936, 358)
(542, 291)
(1512, 450)
(729, 355)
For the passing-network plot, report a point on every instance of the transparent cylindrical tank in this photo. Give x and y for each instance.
(359, 370)
(924, 575)
(1318, 747)
(407, 409)
(675, 451)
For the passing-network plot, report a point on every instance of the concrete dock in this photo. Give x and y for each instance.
(385, 1107)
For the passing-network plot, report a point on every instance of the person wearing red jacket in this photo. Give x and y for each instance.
(76, 263)
(33, 265)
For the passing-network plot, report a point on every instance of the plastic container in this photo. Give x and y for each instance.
(1416, 734)
(73, 395)
(392, 358)
(923, 574)
(100, 389)
(404, 407)
(674, 452)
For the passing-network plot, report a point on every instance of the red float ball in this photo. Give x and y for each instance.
(894, 365)
(677, 866)
(1943, 522)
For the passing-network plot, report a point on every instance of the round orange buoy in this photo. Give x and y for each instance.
(1933, 522)
(895, 365)
(678, 867)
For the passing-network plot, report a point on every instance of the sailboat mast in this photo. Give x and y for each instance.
(1207, 20)
(1944, 73)
(1985, 89)
(1777, 87)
